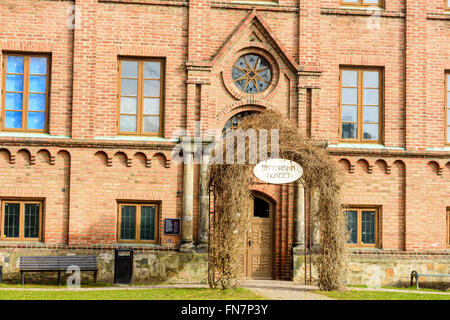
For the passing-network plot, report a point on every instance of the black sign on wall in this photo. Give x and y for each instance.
(172, 226)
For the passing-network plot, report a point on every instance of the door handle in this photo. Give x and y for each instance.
(249, 243)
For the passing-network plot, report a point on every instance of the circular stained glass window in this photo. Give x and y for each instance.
(251, 73)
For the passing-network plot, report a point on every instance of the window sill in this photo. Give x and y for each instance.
(446, 148)
(259, 3)
(364, 249)
(137, 138)
(31, 135)
(25, 243)
(368, 8)
(362, 146)
(137, 244)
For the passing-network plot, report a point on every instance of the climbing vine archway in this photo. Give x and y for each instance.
(231, 194)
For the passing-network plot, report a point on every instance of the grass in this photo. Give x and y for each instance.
(135, 294)
(382, 295)
(53, 285)
(412, 288)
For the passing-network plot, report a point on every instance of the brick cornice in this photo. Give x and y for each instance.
(389, 153)
(361, 12)
(89, 144)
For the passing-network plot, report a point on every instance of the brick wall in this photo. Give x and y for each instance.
(305, 42)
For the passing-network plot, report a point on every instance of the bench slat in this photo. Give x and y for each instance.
(58, 263)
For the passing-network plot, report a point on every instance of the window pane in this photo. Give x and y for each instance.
(151, 124)
(349, 96)
(368, 221)
(12, 218)
(371, 1)
(266, 75)
(128, 123)
(129, 87)
(251, 59)
(237, 74)
(14, 64)
(151, 105)
(151, 88)
(36, 120)
(152, 70)
(349, 78)
(14, 82)
(352, 225)
(148, 223)
(349, 113)
(128, 223)
(448, 99)
(371, 97)
(349, 130)
(38, 65)
(448, 134)
(13, 101)
(13, 120)
(371, 79)
(129, 69)
(38, 84)
(31, 220)
(371, 114)
(128, 105)
(36, 102)
(370, 131)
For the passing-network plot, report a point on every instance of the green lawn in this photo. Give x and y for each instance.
(382, 295)
(135, 294)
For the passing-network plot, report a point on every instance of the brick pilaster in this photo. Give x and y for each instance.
(84, 70)
(416, 76)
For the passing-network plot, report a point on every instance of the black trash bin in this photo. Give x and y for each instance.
(1, 270)
(123, 266)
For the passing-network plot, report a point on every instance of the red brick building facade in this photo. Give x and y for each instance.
(369, 81)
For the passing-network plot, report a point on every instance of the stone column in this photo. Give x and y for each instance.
(204, 206)
(299, 240)
(187, 244)
(315, 224)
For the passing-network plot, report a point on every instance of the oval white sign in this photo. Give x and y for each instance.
(278, 171)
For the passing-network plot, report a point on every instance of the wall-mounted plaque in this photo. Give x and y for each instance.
(172, 226)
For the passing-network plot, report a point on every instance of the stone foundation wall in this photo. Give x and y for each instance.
(149, 266)
(383, 270)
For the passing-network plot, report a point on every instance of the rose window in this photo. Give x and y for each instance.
(251, 73)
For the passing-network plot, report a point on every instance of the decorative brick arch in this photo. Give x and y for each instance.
(240, 106)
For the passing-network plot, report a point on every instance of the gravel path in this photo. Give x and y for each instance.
(283, 290)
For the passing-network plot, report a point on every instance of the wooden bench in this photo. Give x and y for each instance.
(58, 264)
(414, 274)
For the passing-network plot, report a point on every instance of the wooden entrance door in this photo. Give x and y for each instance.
(259, 258)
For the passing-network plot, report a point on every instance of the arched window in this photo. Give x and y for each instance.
(235, 120)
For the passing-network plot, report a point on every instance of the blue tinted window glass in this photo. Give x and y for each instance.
(13, 120)
(38, 65)
(13, 101)
(36, 102)
(14, 82)
(36, 120)
(38, 83)
(14, 64)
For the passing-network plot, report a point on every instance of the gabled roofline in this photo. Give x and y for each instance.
(238, 32)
